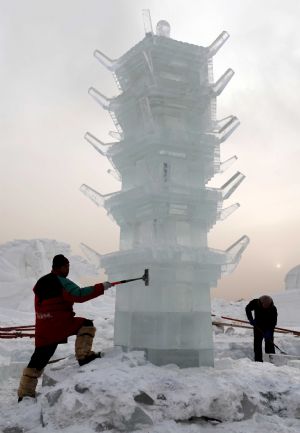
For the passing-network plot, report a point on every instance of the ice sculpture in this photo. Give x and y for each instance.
(292, 279)
(23, 261)
(167, 149)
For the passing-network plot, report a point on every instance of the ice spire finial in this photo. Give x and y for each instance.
(147, 21)
(163, 28)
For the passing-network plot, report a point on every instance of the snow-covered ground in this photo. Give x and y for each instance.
(123, 392)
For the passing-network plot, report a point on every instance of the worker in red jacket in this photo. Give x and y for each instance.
(55, 295)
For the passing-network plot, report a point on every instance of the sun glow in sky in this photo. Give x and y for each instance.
(47, 66)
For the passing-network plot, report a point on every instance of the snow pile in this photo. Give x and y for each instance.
(235, 309)
(124, 392)
(23, 262)
(287, 304)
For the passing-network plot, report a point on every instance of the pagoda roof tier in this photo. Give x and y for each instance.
(167, 96)
(172, 255)
(156, 106)
(153, 72)
(162, 143)
(180, 140)
(186, 137)
(205, 264)
(140, 204)
(168, 193)
(210, 263)
(165, 165)
(191, 112)
(170, 82)
(194, 100)
(157, 59)
(201, 169)
(170, 50)
(173, 81)
(200, 163)
(164, 63)
(200, 151)
(155, 110)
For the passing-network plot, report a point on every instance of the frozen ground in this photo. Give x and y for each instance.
(123, 392)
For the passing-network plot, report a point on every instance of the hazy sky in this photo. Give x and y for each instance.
(47, 66)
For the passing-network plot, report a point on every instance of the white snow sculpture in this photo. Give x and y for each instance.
(169, 149)
(292, 279)
(24, 261)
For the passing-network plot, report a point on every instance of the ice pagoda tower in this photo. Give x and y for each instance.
(167, 149)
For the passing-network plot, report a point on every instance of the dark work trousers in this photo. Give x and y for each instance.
(258, 339)
(42, 355)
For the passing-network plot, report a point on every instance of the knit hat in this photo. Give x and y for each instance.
(59, 260)
(266, 301)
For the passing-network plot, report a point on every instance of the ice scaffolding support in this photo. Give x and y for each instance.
(168, 149)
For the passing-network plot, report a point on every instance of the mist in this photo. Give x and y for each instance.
(47, 66)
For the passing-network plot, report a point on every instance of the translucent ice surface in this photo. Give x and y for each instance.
(168, 148)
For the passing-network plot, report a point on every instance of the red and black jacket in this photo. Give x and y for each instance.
(54, 299)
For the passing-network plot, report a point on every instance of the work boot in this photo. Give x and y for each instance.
(83, 345)
(89, 358)
(28, 383)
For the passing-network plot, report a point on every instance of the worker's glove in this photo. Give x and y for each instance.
(268, 335)
(252, 322)
(106, 285)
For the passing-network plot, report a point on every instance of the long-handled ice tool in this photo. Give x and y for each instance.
(145, 278)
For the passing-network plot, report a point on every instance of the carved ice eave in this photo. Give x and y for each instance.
(219, 86)
(234, 254)
(217, 44)
(97, 144)
(99, 97)
(225, 213)
(92, 255)
(231, 185)
(107, 62)
(228, 129)
(95, 196)
(227, 163)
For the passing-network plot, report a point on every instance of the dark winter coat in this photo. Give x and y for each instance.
(265, 318)
(54, 299)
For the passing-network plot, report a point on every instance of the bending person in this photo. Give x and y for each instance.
(55, 295)
(263, 322)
